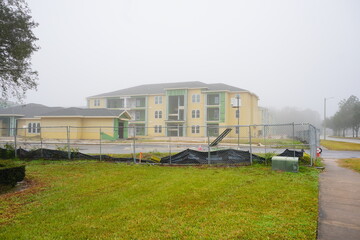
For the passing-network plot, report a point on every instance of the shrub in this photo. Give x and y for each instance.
(8, 151)
(11, 173)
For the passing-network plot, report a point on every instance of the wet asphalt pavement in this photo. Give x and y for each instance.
(339, 199)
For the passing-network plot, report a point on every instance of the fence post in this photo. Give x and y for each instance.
(68, 141)
(134, 156)
(100, 145)
(41, 145)
(15, 142)
(251, 162)
(264, 134)
(170, 149)
(293, 136)
(208, 136)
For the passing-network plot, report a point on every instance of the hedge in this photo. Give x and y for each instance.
(11, 173)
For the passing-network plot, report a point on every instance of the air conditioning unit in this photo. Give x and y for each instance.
(287, 164)
(234, 102)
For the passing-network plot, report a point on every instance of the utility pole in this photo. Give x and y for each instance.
(238, 119)
(325, 116)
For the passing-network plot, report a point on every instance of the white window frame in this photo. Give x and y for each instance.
(96, 102)
(158, 114)
(158, 129)
(195, 129)
(195, 113)
(195, 98)
(38, 127)
(158, 99)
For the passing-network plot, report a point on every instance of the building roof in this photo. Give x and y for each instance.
(32, 110)
(160, 88)
(27, 110)
(84, 112)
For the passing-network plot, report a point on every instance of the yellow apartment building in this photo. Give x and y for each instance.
(189, 109)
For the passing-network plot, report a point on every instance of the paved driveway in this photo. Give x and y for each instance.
(343, 139)
(339, 212)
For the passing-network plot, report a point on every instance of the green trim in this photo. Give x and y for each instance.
(116, 128)
(222, 107)
(176, 92)
(105, 136)
(126, 131)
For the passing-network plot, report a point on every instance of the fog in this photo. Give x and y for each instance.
(289, 115)
(290, 53)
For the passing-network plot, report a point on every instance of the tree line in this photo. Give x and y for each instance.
(346, 118)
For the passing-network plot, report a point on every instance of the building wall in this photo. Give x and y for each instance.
(97, 103)
(23, 127)
(194, 106)
(56, 128)
(153, 120)
(249, 112)
(90, 128)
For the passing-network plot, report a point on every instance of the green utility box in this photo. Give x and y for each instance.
(287, 164)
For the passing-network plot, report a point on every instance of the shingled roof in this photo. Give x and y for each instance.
(160, 88)
(84, 112)
(27, 110)
(32, 110)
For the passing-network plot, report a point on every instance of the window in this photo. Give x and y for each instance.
(96, 102)
(213, 130)
(158, 99)
(213, 99)
(213, 114)
(158, 129)
(195, 113)
(195, 98)
(195, 129)
(140, 129)
(158, 114)
(114, 103)
(137, 115)
(140, 102)
(33, 128)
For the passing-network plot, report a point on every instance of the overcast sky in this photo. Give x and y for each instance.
(289, 53)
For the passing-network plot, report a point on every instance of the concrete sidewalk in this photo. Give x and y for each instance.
(339, 212)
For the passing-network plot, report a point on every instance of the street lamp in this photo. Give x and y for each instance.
(325, 116)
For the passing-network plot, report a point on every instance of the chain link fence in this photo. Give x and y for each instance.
(170, 139)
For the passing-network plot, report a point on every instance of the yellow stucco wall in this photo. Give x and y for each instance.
(195, 106)
(102, 102)
(152, 121)
(90, 127)
(56, 128)
(23, 130)
(248, 113)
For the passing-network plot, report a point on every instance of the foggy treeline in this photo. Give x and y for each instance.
(346, 118)
(292, 114)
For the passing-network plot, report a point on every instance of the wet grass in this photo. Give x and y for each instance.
(352, 163)
(100, 200)
(340, 146)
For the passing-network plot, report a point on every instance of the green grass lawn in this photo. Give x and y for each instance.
(340, 146)
(99, 200)
(352, 163)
